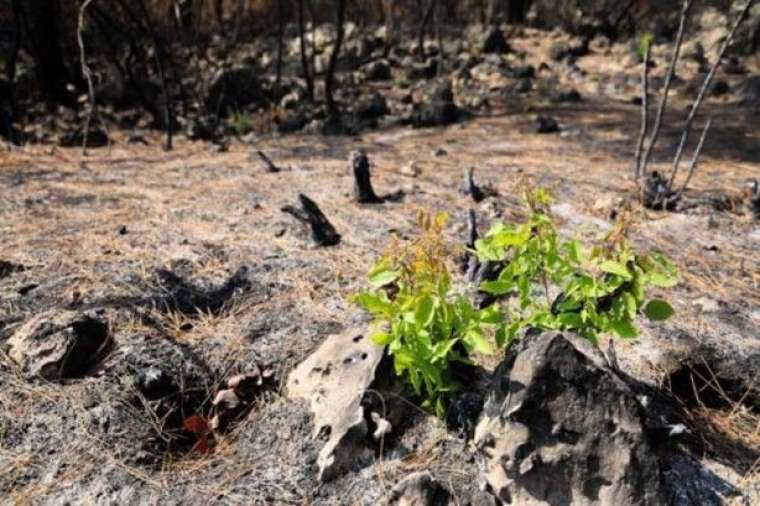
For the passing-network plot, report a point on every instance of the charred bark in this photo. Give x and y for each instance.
(470, 188)
(307, 73)
(322, 231)
(42, 18)
(363, 191)
(332, 109)
(268, 163)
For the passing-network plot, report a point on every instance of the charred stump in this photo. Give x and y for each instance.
(268, 163)
(469, 262)
(363, 191)
(322, 231)
(656, 193)
(470, 188)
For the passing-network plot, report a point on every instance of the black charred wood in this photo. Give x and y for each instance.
(322, 231)
(363, 191)
(656, 193)
(268, 163)
(471, 188)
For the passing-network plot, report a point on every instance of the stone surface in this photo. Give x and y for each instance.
(559, 427)
(58, 344)
(419, 489)
(333, 380)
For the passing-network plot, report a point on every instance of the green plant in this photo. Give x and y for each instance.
(425, 325)
(646, 40)
(560, 284)
(241, 123)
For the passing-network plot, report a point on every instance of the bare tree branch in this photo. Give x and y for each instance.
(692, 165)
(87, 73)
(668, 81)
(702, 92)
(644, 112)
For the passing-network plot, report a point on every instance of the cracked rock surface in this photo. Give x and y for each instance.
(559, 427)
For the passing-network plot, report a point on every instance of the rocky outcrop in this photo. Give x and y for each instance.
(560, 427)
(333, 380)
(439, 111)
(58, 344)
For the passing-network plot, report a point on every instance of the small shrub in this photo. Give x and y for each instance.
(426, 326)
(551, 283)
(563, 285)
(241, 123)
(645, 42)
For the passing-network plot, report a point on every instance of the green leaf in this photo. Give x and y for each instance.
(575, 252)
(630, 304)
(423, 314)
(624, 329)
(382, 338)
(474, 340)
(661, 279)
(377, 304)
(490, 315)
(497, 287)
(615, 268)
(570, 320)
(382, 275)
(658, 310)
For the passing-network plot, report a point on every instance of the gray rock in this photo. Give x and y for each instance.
(334, 380)
(58, 344)
(419, 489)
(560, 427)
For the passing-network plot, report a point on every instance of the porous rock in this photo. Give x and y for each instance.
(560, 427)
(58, 344)
(333, 380)
(419, 489)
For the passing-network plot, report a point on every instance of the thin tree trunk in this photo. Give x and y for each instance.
(304, 61)
(332, 109)
(43, 32)
(159, 53)
(10, 63)
(423, 25)
(278, 69)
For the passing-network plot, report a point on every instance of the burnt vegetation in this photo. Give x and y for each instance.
(364, 251)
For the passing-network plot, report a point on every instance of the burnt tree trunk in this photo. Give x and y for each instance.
(10, 114)
(307, 75)
(332, 109)
(423, 25)
(43, 34)
(363, 191)
(278, 70)
(160, 55)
